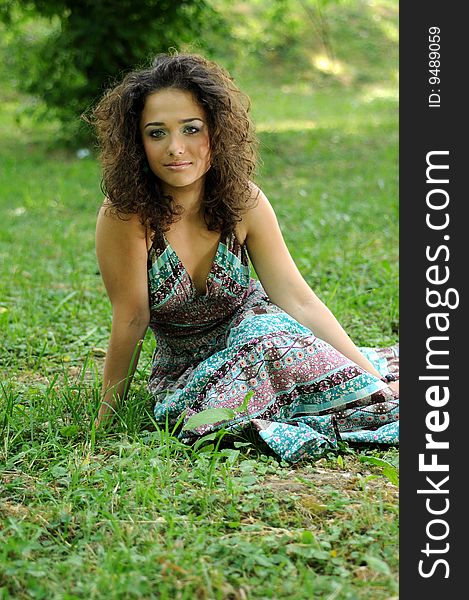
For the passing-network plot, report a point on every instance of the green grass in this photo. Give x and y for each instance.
(133, 513)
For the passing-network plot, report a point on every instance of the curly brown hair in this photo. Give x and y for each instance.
(127, 180)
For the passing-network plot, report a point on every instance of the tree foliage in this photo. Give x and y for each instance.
(63, 53)
(90, 43)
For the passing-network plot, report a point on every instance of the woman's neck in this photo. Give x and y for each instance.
(190, 199)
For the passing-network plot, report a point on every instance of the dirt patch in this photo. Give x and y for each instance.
(318, 483)
(13, 509)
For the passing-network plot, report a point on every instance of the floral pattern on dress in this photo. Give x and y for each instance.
(212, 349)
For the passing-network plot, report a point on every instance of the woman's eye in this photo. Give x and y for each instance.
(160, 133)
(157, 133)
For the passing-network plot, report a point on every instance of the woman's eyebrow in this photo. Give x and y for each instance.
(158, 123)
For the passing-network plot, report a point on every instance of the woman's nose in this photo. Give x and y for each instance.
(175, 145)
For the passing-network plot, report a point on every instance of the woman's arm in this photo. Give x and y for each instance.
(285, 285)
(121, 249)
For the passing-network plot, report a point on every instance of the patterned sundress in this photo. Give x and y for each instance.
(215, 349)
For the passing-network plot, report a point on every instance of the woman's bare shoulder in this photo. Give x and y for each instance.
(257, 201)
(110, 218)
(121, 231)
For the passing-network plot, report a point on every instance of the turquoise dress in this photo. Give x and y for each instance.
(213, 349)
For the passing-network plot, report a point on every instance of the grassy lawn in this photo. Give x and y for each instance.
(133, 513)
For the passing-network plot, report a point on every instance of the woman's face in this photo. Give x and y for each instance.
(175, 136)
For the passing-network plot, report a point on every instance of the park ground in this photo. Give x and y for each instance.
(133, 513)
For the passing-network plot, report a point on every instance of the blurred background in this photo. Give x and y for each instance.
(57, 56)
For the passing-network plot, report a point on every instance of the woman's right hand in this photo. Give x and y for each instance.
(104, 417)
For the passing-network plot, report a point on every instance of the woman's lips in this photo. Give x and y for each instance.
(177, 166)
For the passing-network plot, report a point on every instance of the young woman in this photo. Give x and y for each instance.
(180, 223)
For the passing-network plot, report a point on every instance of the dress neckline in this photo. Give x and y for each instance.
(186, 272)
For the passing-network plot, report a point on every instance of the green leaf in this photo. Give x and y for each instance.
(231, 455)
(241, 444)
(392, 474)
(372, 460)
(243, 407)
(377, 564)
(307, 537)
(307, 551)
(205, 438)
(209, 417)
(263, 560)
(389, 470)
(69, 430)
(208, 448)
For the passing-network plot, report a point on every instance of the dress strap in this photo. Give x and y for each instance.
(158, 241)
